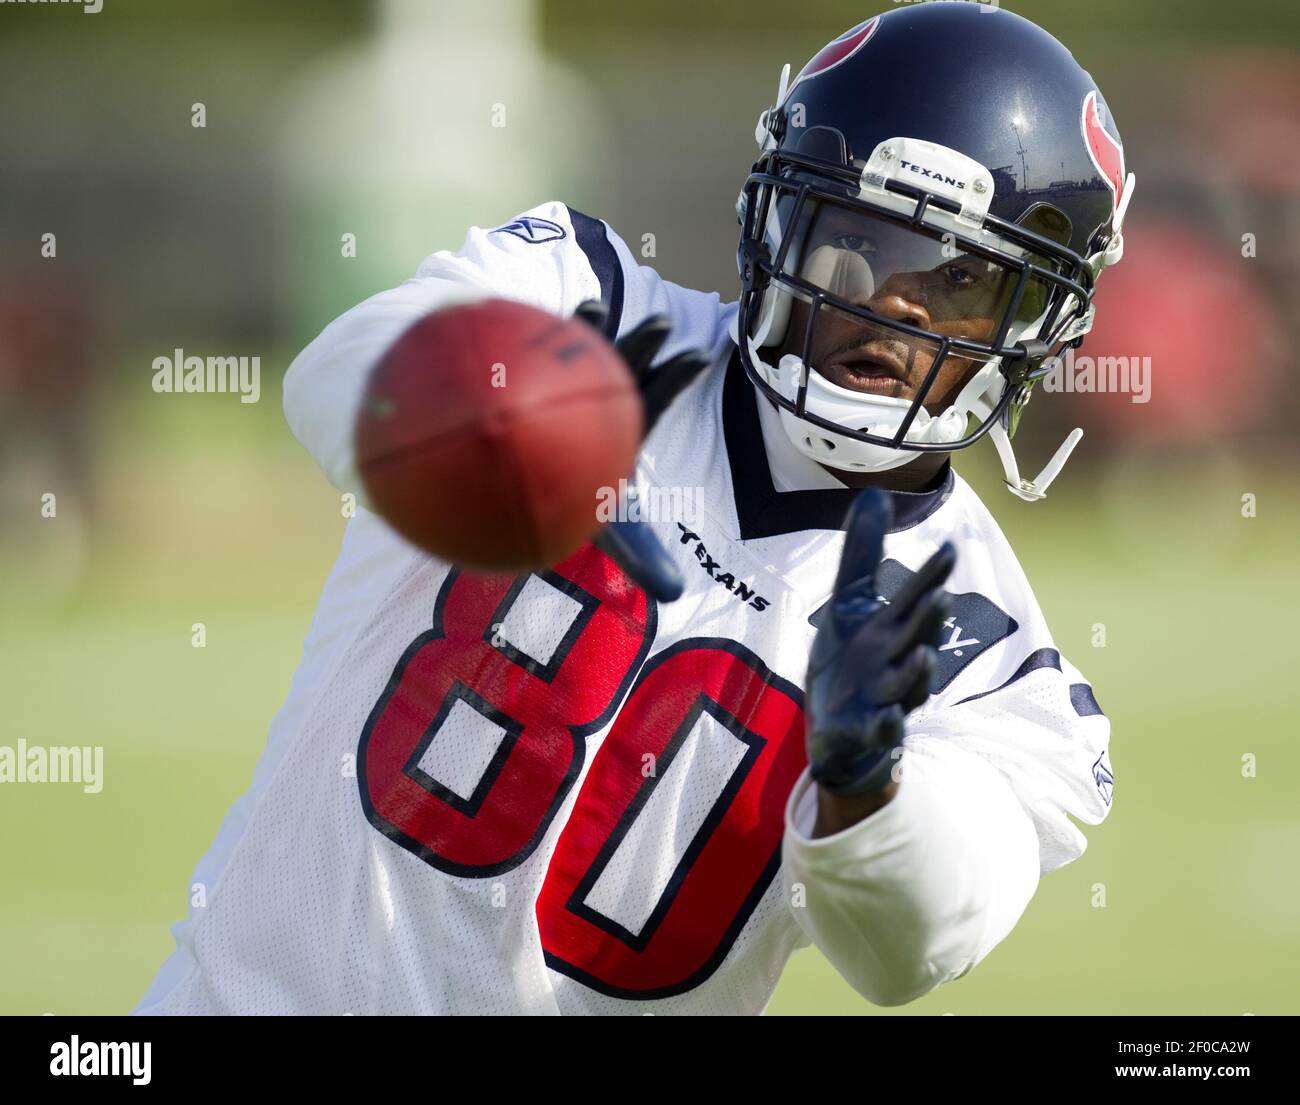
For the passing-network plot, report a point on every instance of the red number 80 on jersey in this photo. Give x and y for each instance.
(480, 735)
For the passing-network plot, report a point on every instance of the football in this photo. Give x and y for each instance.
(489, 431)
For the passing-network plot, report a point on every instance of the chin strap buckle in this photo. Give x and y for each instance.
(1032, 490)
(1079, 327)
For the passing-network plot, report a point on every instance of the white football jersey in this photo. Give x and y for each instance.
(548, 794)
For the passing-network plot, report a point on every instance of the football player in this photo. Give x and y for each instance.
(561, 793)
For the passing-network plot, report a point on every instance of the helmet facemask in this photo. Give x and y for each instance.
(885, 312)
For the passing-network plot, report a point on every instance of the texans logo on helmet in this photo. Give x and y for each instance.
(839, 51)
(1106, 153)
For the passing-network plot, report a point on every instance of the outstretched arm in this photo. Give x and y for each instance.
(905, 868)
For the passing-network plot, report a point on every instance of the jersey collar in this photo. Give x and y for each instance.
(761, 510)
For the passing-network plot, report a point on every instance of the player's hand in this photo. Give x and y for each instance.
(633, 545)
(871, 661)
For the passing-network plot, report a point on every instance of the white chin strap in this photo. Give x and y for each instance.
(849, 276)
(882, 416)
(874, 414)
(1029, 490)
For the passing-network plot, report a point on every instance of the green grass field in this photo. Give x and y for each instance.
(213, 515)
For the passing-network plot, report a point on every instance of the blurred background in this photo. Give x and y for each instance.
(1164, 558)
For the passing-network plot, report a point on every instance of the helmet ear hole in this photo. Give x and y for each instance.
(819, 444)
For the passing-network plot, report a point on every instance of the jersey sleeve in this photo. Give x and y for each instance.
(1044, 731)
(551, 257)
(922, 890)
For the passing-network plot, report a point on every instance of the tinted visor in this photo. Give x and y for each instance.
(899, 271)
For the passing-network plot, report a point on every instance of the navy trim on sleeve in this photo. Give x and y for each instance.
(1081, 696)
(1043, 658)
(1083, 700)
(590, 235)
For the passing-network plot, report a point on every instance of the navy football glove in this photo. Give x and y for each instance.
(871, 661)
(632, 545)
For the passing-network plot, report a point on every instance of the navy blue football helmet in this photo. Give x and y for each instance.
(945, 183)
